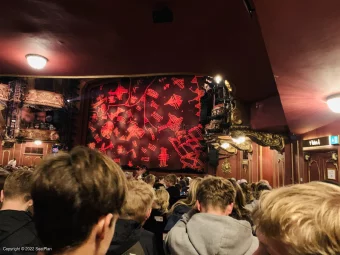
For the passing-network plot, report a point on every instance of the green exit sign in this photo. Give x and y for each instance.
(334, 140)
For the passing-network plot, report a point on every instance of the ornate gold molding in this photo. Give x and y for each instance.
(45, 98)
(226, 167)
(274, 141)
(38, 134)
(236, 117)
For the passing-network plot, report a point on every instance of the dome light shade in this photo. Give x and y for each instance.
(37, 142)
(333, 103)
(36, 61)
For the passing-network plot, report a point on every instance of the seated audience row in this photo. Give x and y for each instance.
(85, 204)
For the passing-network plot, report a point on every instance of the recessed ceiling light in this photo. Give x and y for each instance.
(36, 61)
(333, 103)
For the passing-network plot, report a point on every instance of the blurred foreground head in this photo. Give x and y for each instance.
(77, 200)
(299, 219)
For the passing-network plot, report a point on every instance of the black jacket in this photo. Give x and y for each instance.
(174, 195)
(176, 215)
(156, 224)
(127, 234)
(17, 229)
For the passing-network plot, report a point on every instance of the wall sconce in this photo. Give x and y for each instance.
(307, 157)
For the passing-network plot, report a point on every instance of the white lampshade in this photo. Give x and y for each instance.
(36, 61)
(334, 103)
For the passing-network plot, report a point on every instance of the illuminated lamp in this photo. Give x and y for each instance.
(218, 79)
(37, 142)
(36, 61)
(225, 145)
(333, 103)
(239, 140)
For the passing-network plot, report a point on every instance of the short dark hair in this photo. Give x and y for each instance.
(18, 184)
(71, 191)
(3, 176)
(216, 192)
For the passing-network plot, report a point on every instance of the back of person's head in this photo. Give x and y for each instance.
(150, 179)
(162, 200)
(77, 200)
(248, 194)
(17, 186)
(260, 187)
(170, 180)
(300, 219)
(139, 199)
(240, 201)
(178, 186)
(3, 176)
(215, 193)
(191, 198)
(183, 184)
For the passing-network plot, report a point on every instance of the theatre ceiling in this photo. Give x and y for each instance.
(108, 37)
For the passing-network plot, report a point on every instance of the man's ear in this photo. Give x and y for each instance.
(148, 213)
(2, 197)
(30, 203)
(105, 223)
(198, 206)
(229, 209)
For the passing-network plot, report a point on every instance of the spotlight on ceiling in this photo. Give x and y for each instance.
(37, 142)
(239, 140)
(218, 78)
(225, 145)
(36, 61)
(333, 103)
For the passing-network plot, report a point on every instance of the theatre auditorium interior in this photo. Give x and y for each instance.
(170, 127)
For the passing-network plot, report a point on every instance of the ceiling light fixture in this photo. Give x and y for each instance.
(37, 142)
(333, 103)
(225, 145)
(218, 79)
(36, 61)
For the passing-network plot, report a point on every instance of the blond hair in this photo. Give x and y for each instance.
(191, 198)
(162, 200)
(150, 179)
(139, 199)
(304, 217)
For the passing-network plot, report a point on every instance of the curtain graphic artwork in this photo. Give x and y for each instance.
(151, 121)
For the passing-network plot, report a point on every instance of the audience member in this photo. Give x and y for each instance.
(3, 176)
(159, 183)
(17, 228)
(300, 219)
(157, 221)
(12, 163)
(259, 188)
(332, 182)
(239, 211)
(208, 229)
(183, 206)
(130, 237)
(170, 181)
(150, 179)
(248, 194)
(184, 188)
(77, 200)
